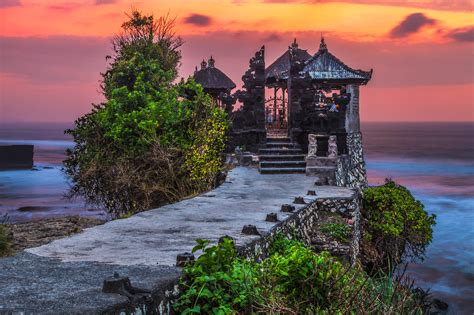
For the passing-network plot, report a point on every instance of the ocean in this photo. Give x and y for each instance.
(434, 160)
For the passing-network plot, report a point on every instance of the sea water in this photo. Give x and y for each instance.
(434, 160)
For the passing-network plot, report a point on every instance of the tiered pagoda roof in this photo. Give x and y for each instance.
(212, 78)
(280, 67)
(326, 67)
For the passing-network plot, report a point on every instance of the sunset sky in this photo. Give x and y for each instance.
(52, 52)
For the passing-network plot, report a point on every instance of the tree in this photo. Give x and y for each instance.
(395, 225)
(152, 141)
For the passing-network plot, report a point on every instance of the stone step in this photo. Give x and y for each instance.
(278, 139)
(281, 145)
(282, 157)
(271, 151)
(322, 171)
(282, 170)
(321, 161)
(279, 164)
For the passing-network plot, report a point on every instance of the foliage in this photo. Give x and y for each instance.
(395, 224)
(152, 141)
(218, 282)
(292, 280)
(339, 231)
(5, 240)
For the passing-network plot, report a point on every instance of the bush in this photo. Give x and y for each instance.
(292, 280)
(394, 224)
(5, 240)
(152, 141)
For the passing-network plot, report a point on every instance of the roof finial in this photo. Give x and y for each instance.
(210, 62)
(294, 44)
(322, 45)
(203, 64)
(196, 69)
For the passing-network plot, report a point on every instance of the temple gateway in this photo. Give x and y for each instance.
(300, 114)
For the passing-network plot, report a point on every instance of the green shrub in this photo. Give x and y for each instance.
(5, 240)
(152, 141)
(394, 224)
(339, 231)
(218, 282)
(292, 280)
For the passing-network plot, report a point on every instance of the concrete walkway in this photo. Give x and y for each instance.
(146, 243)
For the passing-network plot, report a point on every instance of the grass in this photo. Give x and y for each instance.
(339, 231)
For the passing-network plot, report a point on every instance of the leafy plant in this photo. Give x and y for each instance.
(152, 141)
(339, 231)
(292, 280)
(394, 224)
(218, 282)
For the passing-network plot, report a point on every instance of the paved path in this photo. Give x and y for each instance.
(157, 236)
(66, 273)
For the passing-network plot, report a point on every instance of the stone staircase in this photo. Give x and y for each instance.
(281, 156)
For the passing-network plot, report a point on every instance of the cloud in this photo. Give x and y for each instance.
(449, 5)
(9, 3)
(411, 25)
(198, 20)
(273, 37)
(462, 34)
(99, 2)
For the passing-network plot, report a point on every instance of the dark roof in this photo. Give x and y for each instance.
(212, 78)
(280, 67)
(324, 66)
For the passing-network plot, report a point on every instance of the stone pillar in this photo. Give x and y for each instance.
(351, 171)
(352, 112)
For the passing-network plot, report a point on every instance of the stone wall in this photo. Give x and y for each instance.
(301, 225)
(350, 169)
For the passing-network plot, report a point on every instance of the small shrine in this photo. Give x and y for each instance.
(301, 113)
(216, 83)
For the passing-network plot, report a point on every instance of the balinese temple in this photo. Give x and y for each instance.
(276, 77)
(301, 114)
(216, 83)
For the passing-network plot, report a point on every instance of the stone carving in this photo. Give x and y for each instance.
(313, 145)
(332, 147)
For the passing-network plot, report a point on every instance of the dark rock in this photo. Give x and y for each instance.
(32, 208)
(250, 230)
(441, 305)
(287, 208)
(183, 259)
(16, 156)
(299, 201)
(122, 286)
(272, 217)
(226, 237)
(311, 193)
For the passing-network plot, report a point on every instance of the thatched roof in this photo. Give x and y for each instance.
(280, 67)
(212, 78)
(324, 66)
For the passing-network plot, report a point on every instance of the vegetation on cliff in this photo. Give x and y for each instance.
(292, 280)
(152, 141)
(394, 226)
